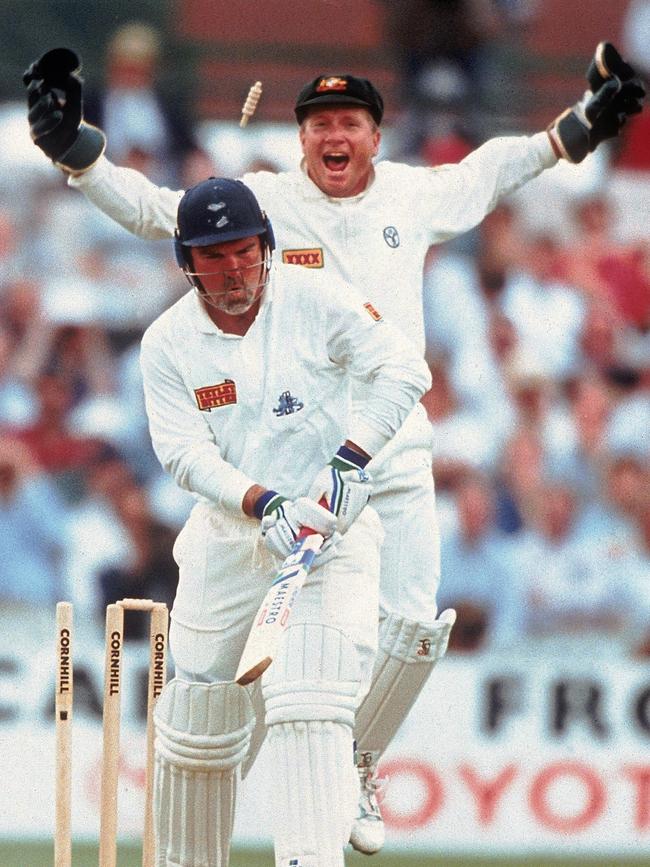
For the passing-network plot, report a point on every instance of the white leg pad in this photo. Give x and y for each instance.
(258, 734)
(407, 654)
(311, 693)
(202, 735)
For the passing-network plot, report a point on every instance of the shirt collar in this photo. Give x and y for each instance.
(201, 319)
(312, 191)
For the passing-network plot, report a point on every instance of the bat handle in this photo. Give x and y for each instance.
(307, 531)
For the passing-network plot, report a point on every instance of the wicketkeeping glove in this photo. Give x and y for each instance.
(282, 521)
(345, 485)
(56, 124)
(616, 93)
(607, 63)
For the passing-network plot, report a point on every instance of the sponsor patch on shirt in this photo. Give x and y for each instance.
(376, 315)
(212, 396)
(309, 258)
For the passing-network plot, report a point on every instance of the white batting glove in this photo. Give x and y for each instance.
(282, 521)
(345, 485)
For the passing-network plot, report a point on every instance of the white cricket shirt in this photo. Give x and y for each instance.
(377, 240)
(272, 407)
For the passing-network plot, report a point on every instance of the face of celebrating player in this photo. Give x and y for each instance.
(339, 144)
(232, 276)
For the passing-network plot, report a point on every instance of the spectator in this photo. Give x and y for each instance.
(570, 592)
(95, 538)
(141, 127)
(641, 646)
(461, 439)
(31, 524)
(628, 426)
(196, 166)
(479, 571)
(463, 318)
(442, 49)
(611, 273)
(547, 315)
(602, 340)
(611, 519)
(520, 475)
(17, 403)
(149, 571)
(52, 445)
(9, 243)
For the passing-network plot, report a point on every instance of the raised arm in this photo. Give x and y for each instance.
(57, 126)
(470, 189)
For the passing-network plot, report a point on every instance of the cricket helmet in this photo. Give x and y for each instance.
(218, 210)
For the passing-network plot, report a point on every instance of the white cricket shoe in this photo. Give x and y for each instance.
(368, 833)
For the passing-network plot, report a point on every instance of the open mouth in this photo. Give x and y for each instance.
(336, 162)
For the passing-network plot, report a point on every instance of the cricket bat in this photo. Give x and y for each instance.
(273, 614)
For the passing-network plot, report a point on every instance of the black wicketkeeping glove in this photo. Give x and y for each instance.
(607, 63)
(616, 94)
(55, 112)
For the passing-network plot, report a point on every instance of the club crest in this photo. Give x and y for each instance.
(287, 404)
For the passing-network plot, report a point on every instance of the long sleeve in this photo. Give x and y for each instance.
(462, 194)
(182, 440)
(376, 353)
(129, 198)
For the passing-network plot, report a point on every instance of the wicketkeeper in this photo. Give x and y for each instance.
(372, 224)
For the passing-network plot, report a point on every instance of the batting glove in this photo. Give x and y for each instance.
(283, 519)
(56, 124)
(345, 485)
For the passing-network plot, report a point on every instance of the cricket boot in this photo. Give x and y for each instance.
(368, 832)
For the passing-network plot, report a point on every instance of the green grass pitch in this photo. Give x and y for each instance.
(21, 854)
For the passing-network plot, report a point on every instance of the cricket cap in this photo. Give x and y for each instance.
(340, 90)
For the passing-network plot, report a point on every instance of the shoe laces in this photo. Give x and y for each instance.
(371, 788)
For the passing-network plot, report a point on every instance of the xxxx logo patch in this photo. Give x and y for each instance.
(212, 396)
(309, 258)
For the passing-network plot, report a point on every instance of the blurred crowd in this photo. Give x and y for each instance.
(539, 348)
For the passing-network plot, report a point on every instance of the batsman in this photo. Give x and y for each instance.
(247, 339)
(371, 222)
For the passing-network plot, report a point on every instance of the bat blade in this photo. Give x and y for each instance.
(273, 614)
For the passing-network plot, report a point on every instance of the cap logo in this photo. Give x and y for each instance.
(333, 82)
(212, 396)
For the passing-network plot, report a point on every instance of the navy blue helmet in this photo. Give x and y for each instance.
(219, 210)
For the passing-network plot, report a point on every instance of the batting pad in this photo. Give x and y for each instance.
(202, 735)
(311, 694)
(407, 654)
(258, 735)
